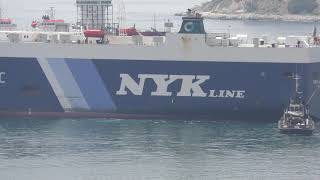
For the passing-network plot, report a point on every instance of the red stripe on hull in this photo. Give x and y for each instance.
(83, 115)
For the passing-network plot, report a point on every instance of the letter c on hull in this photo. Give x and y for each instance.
(2, 74)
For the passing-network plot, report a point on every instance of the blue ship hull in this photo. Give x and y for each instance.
(97, 88)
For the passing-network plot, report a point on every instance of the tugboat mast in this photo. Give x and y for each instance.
(297, 83)
(297, 93)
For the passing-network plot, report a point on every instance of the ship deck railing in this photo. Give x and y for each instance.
(211, 40)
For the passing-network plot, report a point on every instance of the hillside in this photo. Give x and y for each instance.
(291, 10)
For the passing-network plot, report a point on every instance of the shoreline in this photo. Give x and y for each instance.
(259, 17)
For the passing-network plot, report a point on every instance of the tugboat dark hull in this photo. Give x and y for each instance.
(308, 132)
(286, 126)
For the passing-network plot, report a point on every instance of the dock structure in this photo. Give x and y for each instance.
(94, 14)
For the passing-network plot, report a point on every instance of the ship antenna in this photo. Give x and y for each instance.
(51, 12)
(154, 21)
(315, 32)
(0, 12)
(122, 17)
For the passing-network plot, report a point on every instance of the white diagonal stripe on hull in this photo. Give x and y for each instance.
(64, 102)
(68, 84)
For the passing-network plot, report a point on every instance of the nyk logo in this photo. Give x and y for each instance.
(191, 86)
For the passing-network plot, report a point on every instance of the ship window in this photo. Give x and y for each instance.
(30, 90)
(316, 76)
(288, 74)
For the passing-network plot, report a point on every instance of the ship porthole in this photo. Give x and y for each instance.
(189, 27)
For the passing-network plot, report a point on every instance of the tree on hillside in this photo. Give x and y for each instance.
(251, 6)
(302, 6)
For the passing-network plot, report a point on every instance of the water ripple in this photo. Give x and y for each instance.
(136, 149)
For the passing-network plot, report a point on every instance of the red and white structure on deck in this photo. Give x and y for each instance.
(95, 17)
(50, 24)
(6, 24)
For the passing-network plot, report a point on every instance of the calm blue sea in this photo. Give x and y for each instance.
(104, 149)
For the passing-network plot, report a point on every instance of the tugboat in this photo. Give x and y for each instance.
(296, 118)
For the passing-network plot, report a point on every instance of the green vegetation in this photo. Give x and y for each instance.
(251, 6)
(302, 6)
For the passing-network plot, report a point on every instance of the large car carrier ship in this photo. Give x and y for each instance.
(97, 72)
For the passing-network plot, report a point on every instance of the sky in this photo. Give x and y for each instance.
(12, 7)
(23, 12)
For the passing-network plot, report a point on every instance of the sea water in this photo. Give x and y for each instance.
(103, 149)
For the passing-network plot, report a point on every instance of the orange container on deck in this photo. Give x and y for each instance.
(95, 33)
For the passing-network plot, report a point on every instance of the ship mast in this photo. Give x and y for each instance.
(52, 14)
(1, 9)
(122, 19)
